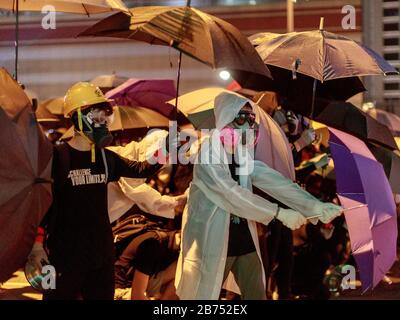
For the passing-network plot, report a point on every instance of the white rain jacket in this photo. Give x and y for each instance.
(122, 195)
(213, 195)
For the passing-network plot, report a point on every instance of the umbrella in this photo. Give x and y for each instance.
(152, 94)
(347, 117)
(54, 106)
(201, 36)
(360, 179)
(296, 92)
(25, 176)
(390, 161)
(72, 6)
(130, 118)
(108, 81)
(272, 148)
(138, 117)
(391, 120)
(46, 118)
(320, 55)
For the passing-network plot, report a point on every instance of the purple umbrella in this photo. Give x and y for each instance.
(361, 180)
(151, 94)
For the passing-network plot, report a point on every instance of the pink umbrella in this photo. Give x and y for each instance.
(361, 180)
(390, 120)
(274, 149)
(152, 94)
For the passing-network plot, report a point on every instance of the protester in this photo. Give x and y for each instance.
(77, 231)
(219, 224)
(146, 257)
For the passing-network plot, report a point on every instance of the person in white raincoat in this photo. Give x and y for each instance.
(122, 195)
(215, 198)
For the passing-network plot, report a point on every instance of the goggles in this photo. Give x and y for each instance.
(245, 116)
(100, 116)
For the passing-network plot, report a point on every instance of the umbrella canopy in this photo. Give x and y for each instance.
(54, 106)
(296, 93)
(390, 120)
(138, 117)
(201, 36)
(347, 117)
(390, 161)
(25, 175)
(108, 81)
(320, 55)
(198, 106)
(71, 6)
(360, 179)
(130, 118)
(272, 148)
(152, 94)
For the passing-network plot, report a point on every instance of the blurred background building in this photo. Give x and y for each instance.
(51, 60)
(381, 31)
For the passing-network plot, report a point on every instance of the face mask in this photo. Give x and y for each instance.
(95, 126)
(280, 118)
(293, 123)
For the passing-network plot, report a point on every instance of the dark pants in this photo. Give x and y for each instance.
(84, 283)
(280, 258)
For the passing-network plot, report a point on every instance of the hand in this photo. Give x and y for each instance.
(322, 162)
(306, 138)
(329, 212)
(37, 255)
(291, 219)
(180, 203)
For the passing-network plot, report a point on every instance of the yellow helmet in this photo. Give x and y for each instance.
(82, 94)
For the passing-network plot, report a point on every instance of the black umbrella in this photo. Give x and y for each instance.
(390, 161)
(347, 117)
(296, 89)
(321, 55)
(195, 33)
(25, 175)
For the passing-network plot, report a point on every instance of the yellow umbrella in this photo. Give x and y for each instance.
(397, 139)
(70, 6)
(322, 132)
(54, 106)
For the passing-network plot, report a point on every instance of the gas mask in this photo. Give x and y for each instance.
(293, 123)
(93, 122)
(281, 120)
(242, 129)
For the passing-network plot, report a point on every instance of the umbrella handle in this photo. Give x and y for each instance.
(343, 210)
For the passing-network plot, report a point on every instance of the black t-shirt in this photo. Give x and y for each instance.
(240, 240)
(77, 222)
(148, 253)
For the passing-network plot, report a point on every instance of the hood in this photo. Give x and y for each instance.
(226, 107)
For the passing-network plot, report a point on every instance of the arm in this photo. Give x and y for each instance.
(149, 199)
(122, 167)
(139, 286)
(217, 184)
(284, 190)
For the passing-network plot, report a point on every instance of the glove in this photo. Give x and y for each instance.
(306, 138)
(290, 218)
(38, 256)
(329, 212)
(322, 162)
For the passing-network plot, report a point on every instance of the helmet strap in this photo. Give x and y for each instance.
(92, 145)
